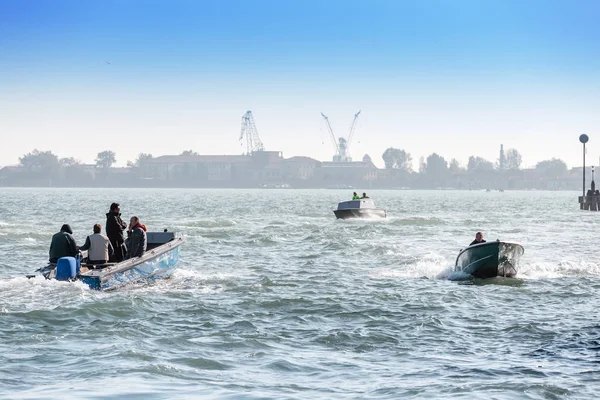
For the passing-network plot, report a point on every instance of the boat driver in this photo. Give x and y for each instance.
(478, 239)
(355, 196)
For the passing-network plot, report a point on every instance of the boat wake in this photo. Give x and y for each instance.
(560, 269)
(436, 267)
(184, 280)
(429, 266)
(535, 270)
(451, 275)
(364, 218)
(462, 277)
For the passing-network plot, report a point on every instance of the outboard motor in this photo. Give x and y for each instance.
(66, 268)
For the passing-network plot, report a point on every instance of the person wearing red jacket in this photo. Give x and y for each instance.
(136, 238)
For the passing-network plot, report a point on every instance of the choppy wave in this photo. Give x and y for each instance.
(416, 220)
(212, 223)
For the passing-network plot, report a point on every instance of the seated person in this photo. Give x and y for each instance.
(355, 196)
(364, 196)
(63, 244)
(99, 248)
(478, 239)
(136, 240)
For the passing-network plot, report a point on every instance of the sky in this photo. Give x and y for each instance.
(454, 77)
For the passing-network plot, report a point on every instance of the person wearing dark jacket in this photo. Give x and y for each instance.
(63, 244)
(478, 239)
(114, 230)
(136, 240)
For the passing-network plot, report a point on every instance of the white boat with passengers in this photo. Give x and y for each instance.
(158, 261)
(360, 208)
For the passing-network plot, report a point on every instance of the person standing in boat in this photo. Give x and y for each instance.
(355, 196)
(364, 196)
(114, 230)
(98, 246)
(136, 238)
(63, 244)
(478, 239)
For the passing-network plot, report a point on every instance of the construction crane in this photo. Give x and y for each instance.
(253, 142)
(342, 145)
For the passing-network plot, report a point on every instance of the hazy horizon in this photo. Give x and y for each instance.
(455, 78)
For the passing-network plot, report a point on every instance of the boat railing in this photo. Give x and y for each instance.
(147, 256)
(98, 266)
(354, 204)
(478, 245)
(484, 244)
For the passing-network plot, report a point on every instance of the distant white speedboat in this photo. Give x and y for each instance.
(363, 208)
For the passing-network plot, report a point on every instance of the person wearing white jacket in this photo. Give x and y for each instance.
(98, 246)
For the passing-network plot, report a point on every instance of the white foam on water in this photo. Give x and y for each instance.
(430, 266)
(434, 266)
(39, 293)
(559, 269)
(457, 276)
(186, 280)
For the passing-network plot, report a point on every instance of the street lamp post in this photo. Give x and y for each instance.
(583, 139)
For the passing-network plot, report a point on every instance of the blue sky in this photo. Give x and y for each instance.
(453, 77)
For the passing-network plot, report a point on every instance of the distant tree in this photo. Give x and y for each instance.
(479, 164)
(513, 159)
(140, 168)
(454, 166)
(72, 171)
(551, 169)
(68, 162)
(436, 166)
(367, 158)
(189, 153)
(422, 165)
(39, 161)
(397, 159)
(106, 159)
(141, 159)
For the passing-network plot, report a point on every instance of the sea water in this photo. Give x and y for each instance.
(274, 298)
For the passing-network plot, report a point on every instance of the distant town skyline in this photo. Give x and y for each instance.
(455, 78)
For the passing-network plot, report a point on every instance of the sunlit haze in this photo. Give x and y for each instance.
(457, 78)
